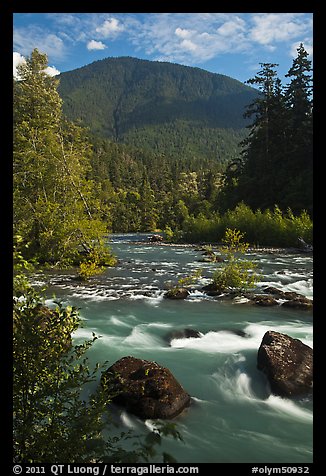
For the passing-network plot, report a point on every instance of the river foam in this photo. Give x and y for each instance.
(224, 341)
(237, 384)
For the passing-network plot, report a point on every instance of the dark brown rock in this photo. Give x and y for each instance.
(289, 295)
(262, 300)
(287, 363)
(299, 303)
(293, 295)
(177, 293)
(273, 290)
(183, 333)
(209, 287)
(213, 293)
(155, 238)
(268, 298)
(211, 290)
(145, 388)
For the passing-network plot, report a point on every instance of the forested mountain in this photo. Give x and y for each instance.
(168, 108)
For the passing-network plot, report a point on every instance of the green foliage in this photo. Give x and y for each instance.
(21, 267)
(172, 139)
(56, 209)
(184, 282)
(177, 161)
(145, 191)
(168, 233)
(262, 228)
(48, 374)
(185, 140)
(97, 259)
(189, 280)
(236, 272)
(87, 269)
(277, 157)
(69, 193)
(202, 228)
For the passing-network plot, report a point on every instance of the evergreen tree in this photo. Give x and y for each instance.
(299, 91)
(298, 98)
(276, 162)
(259, 147)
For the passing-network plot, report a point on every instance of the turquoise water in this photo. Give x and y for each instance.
(233, 417)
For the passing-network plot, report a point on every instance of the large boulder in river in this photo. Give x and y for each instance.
(287, 363)
(145, 388)
(292, 299)
(299, 303)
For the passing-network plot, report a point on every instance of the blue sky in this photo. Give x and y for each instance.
(227, 43)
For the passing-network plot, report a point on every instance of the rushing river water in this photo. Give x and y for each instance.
(233, 417)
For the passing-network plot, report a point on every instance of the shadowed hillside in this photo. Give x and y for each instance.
(161, 106)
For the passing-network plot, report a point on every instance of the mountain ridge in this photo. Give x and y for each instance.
(117, 96)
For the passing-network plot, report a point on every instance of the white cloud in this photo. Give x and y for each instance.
(186, 37)
(278, 27)
(189, 46)
(183, 33)
(95, 45)
(26, 39)
(232, 27)
(52, 71)
(194, 38)
(110, 27)
(17, 60)
(65, 19)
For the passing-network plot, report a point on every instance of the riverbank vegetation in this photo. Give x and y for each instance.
(56, 209)
(236, 272)
(261, 228)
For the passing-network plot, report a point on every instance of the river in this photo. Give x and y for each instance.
(233, 416)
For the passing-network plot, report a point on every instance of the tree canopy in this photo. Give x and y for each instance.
(55, 205)
(276, 163)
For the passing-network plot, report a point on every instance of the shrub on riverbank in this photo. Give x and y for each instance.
(267, 228)
(236, 272)
(95, 263)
